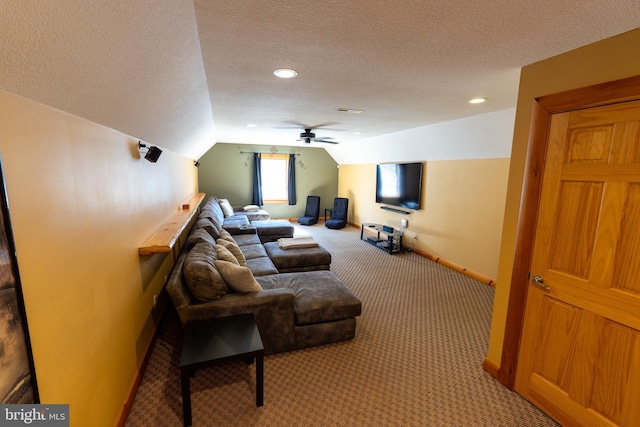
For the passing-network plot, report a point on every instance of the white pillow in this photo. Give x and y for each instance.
(238, 278)
(251, 208)
(227, 210)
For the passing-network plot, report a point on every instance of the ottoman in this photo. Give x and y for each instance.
(273, 229)
(298, 259)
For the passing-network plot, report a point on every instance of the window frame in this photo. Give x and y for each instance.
(285, 159)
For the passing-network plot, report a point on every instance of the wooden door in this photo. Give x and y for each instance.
(579, 357)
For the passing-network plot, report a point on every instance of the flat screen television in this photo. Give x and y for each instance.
(399, 184)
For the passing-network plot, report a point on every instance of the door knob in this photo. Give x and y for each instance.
(539, 282)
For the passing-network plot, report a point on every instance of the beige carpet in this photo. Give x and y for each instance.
(416, 359)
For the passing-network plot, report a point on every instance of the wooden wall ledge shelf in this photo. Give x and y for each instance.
(165, 238)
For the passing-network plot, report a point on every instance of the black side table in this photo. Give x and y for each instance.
(330, 213)
(218, 340)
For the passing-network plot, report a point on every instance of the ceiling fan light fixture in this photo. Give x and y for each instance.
(477, 100)
(308, 136)
(285, 73)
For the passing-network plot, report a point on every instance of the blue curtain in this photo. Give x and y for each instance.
(257, 180)
(292, 180)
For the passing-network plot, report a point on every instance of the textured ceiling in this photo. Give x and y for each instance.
(185, 75)
(125, 64)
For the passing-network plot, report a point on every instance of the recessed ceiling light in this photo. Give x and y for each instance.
(357, 133)
(477, 100)
(251, 125)
(285, 73)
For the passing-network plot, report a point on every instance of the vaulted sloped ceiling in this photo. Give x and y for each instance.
(132, 65)
(184, 75)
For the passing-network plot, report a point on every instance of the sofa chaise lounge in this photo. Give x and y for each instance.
(305, 306)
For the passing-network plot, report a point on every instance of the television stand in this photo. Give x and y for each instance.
(392, 243)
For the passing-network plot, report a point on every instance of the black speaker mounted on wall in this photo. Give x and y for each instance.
(153, 153)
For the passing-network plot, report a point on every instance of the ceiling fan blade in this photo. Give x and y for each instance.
(297, 125)
(326, 141)
(285, 127)
(324, 125)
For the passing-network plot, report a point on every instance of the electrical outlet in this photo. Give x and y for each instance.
(155, 301)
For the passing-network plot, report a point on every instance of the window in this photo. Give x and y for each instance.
(275, 178)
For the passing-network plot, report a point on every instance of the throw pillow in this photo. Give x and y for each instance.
(225, 235)
(235, 250)
(203, 279)
(226, 255)
(251, 208)
(238, 278)
(227, 210)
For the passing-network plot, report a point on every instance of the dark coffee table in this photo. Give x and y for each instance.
(218, 340)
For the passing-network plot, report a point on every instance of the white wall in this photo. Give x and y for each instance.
(487, 136)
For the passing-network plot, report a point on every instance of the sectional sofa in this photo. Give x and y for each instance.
(221, 274)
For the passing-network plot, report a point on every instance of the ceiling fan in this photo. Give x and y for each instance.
(307, 136)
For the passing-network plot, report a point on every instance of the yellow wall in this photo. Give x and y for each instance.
(82, 201)
(461, 215)
(611, 59)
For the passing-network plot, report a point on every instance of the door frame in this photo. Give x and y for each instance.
(544, 107)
